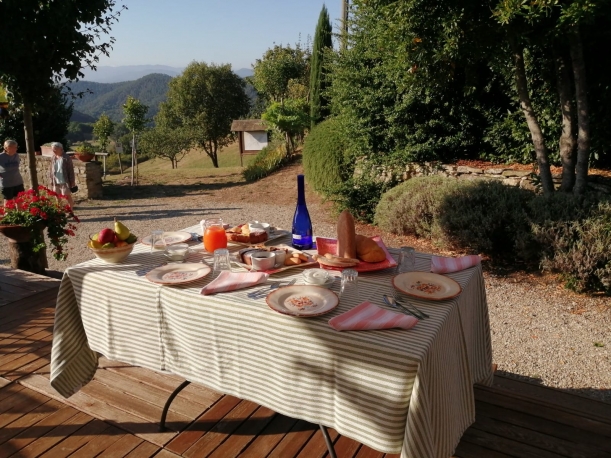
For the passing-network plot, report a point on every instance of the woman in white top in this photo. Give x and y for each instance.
(61, 173)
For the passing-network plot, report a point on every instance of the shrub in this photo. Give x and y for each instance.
(485, 217)
(576, 246)
(268, 160)
(360, 196)
(323, 156)
(412, 208)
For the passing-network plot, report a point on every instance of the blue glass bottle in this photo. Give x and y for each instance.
(302, 224)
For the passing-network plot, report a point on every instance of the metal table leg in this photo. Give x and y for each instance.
(164, 412)
(325, 434)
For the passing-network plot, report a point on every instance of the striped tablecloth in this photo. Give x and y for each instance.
(393, 390)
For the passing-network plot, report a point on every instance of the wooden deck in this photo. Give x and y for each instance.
(117, 414)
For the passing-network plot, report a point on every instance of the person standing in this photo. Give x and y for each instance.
(11, 181)
(61, 173)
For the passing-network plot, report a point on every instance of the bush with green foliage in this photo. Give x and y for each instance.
(574, 236)
(413, 207)
(324, 161)
(267, 161)
(561, 233)
(486, 217)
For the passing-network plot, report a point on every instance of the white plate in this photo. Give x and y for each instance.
(170, 238)
(311, 262)
(177, 274)
(326, 284)
(285, 299)
(440, 287)
(278, 233)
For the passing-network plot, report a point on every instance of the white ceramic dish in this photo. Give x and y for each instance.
(171, 238)
(178, 274)
(327, 284)
(426, 285)
(302, 300)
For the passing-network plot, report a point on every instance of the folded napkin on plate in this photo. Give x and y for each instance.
(368, 316)
(230, 281)
(441, 265)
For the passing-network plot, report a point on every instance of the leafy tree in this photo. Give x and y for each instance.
(50, 41)
(103, 129)
(277, 68)
(290, 118)
(166, 142)
(318, 79)
(557, 27)
(205, 99)
(135, 121)
(50, 120)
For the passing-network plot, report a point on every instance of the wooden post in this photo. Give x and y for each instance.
(241, 141)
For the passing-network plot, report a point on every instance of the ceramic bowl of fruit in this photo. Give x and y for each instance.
(113, 246)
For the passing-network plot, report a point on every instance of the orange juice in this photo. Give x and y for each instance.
(214, 238)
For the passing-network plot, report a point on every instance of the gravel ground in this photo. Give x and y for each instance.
(540, 331)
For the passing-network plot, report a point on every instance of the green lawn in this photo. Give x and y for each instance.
(195, 164)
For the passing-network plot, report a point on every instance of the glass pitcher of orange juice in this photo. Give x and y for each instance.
(214, 234)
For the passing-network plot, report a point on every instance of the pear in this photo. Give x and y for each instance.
(121, 230)
(108, 245)
(131, 239)
(93, 242)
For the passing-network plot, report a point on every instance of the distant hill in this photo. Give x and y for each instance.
(105, 74)
(101, 98)
(244, 72)
(77, 116)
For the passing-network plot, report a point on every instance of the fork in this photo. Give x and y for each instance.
(395, 304)
(400, 304)
(263, 291)
(396, 307)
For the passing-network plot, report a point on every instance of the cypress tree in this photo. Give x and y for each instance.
(322, 39)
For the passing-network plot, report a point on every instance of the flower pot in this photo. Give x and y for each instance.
(16, 234)
(85, 157)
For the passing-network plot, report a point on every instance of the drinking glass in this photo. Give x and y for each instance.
(158, 241)
(214, 235)
(407, 260)
(350, 284)
(221, 261)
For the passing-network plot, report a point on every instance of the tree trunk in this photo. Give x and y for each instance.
(120, 165)
(531, 118)
(133, 152)
(28, 127)
(567, 140)
(583, 119)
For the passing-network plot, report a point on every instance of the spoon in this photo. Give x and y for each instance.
(394, 303)
(388, 302)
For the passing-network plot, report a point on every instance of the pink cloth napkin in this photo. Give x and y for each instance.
(368, 316)
(230, 281)
(441, 265)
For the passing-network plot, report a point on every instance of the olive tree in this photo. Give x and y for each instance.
(135, 120)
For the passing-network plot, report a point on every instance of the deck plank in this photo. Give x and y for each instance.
(29, 435)
(269, 438)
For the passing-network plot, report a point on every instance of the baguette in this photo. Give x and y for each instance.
(346, 242)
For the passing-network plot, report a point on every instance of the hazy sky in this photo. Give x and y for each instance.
(220, 31)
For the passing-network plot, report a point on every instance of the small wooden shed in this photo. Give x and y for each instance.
(252, 135)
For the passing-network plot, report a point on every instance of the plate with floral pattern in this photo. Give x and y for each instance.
(178, 274)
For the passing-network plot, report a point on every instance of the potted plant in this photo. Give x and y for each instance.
(24, 218)
(46, 149)
(85, 152)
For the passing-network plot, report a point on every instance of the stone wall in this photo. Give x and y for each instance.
(508, 176)
(88, 176)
